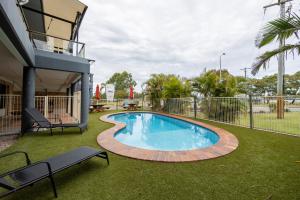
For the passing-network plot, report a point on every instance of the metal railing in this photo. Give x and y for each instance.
(57, 109)
(10, 114)
(52, 43)
(120, 104)
(58, 45)
(278, 114)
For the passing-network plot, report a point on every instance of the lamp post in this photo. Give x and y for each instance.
(223, 54)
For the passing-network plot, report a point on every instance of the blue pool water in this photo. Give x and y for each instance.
(158, 132)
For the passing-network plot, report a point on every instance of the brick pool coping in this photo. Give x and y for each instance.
(226, 144)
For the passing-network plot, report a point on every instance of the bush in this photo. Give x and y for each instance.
(177, 106)
(223, 109)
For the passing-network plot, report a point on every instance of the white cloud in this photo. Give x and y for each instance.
(173, 36)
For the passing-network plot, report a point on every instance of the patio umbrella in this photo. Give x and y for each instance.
(131, 92)
(98, 95)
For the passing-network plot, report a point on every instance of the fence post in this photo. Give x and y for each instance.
(209, 101)
(117, 104)
(195, 107)
(46, 108)
(251, 112)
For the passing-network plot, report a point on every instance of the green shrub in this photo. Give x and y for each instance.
(222, 109)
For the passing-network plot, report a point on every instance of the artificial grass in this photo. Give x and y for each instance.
(263, 167)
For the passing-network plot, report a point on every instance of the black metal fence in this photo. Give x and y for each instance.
(278, 114)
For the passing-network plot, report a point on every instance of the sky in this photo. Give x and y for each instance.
(181, 37)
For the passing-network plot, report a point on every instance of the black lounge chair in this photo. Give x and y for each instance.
(20, 178)
(43, 122)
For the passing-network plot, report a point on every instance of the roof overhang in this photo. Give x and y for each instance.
(58, 18)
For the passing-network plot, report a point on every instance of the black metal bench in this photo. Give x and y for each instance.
(43, 122)
(20, 178)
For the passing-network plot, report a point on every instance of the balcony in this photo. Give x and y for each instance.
(52, 28)
(58, 45)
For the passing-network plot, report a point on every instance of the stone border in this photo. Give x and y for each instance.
(226, 144)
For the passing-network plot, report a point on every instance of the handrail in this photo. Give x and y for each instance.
(44, 34)
(71, 47)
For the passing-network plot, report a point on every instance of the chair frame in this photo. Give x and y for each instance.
(29, 164)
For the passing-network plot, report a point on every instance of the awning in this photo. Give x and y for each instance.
(59, 18)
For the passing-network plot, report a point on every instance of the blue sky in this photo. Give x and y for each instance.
(175, 36)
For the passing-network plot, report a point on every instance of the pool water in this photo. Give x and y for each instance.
(158, 132)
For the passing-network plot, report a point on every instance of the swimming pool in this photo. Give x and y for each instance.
(164, 137)
(158, 132)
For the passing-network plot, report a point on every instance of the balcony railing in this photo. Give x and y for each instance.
(52, 43)
(58, 45)
(57, 109)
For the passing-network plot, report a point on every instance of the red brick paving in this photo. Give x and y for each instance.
(226, 144)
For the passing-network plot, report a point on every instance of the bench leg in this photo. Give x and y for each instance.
(107, 158)
(53, 185)
(104, 156)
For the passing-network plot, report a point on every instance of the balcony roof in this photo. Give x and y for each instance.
(55, 17)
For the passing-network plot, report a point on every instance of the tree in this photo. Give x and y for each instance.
(174, 87)
(243, 85)
(122, 82)
(161, 86)
(209, 84)
(278, 29)
(155, 85)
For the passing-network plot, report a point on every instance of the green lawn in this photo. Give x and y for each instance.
(268, 121)
(263, 167)
(290, 123)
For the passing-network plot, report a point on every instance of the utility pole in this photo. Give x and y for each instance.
(245, 71)
(280, 74)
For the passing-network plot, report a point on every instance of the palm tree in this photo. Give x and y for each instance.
(154, 88)
(278, 29)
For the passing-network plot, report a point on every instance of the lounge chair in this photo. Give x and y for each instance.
(20, 178)
(43, 122)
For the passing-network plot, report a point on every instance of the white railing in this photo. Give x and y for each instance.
(57, 108)
(65, 109)
(10, 114)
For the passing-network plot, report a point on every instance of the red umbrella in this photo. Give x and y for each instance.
(131, 92)
(98, 95)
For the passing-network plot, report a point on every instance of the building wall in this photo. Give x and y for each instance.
(13, 26)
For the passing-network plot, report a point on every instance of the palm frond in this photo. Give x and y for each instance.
(279, 29)
(263, 59)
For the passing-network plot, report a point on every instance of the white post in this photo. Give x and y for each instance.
(46, 109)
